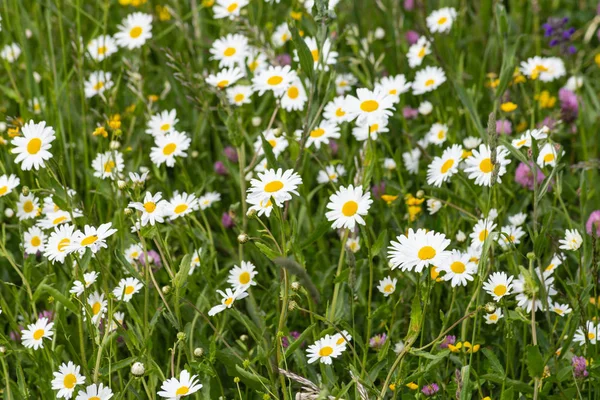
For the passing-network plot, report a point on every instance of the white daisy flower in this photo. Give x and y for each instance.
(433, 206)
(441, 20)
(278, 184)
(322, 57)
(277, 79)
(36, 105)
(437, 133)
(510, 235)
(389, 164)
(174, 389)
(481, 231)
(8, 183)
(27, 207)
(126, 288)
(91, 237)
(342, 339)
(480, 168)
(337, 110)
(95, 392)
(425, 108)
(545, 69)
(229, 297)
(574, 83)
(228, 8)
(66, 379)
(256, 60)
(261, 207)
(344, 83)
(331, 173)
(443, 168)
(418, 51)
(428, 79)
(348, 206)
(242, 277)
(134, 30)
(33, 148)
(394, 86)
(294, 98)
(180, 205)
(58, 242)
(195, 261)
(471, 142)
(133, 253)
(494, 317)
(363, 132)
(561, 309)
(101, 47)
(353, 244)
(10, 52)
(523, 141)
(411, 160)
(162, 123)
(523, 294)
(225, 77)
(230, 50)
(369, 106)
(517, 219)
(555, 262)
(275, 138)
(89, 279)
(540, 134)
(108, 165)
(239, 94)
(324, 350)
(32, 337)
(138, 179)
(548, 155)
(498, 285)
(418, 250)
(169, 146)
(34, 240)
(281, 35)
(322, 134)
(572, 240)
(97, 83)
(458, 268)
(387, 285)
(589, 333)
(97, 304)
(208, 199)
(153, 208)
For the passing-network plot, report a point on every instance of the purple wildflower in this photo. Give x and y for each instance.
(378, 190)
(410, 113)
(412, 37)
(431, 389)
(219, 168)
(524, 176)
(559, 35)
(153, 258)
(409, 5)
(450, 339)
(231, 154)
(593, 223)
(284, 59)
(378, 341)
(569, 105)
(579, 367)
(227, 221)
(333, 146)
(504, 126)
(46, 314)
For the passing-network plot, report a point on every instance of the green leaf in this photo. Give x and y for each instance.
(508, 394)
(266, 250)
(535, 363)
(256, 381)
(465, 373)
(268, 149)
(317, 233)
(184, 269)
(306, 59)
(297, 342)
(343, 276)
(61, 298)
(416, 316)
(494, 362)
(379, 243)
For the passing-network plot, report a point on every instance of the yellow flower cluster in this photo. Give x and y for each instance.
(464, 346)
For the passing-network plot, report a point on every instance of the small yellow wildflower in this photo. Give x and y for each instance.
(508, 106)
(130, 109)
(392, 387)
(100, 131)
(297, 15)
(13, 132)
(388, 198)
(115, 121)
(412, 386)
(153, 98)
(163, 13)
(455, 348)
(208, 3)
(521, 127)
(597, 59)
(545, 99)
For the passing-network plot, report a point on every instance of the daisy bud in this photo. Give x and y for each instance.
(181, 336)
(114, 145)
(379, 33)
(490, 308)
(9, 212)
(25, 190)
(198, 351)
(121, 184)
(256, 121)
(295, 286)
(194, 154)
(138, 369)
(291, 305)
(3, 126)
(166, 289)
(531, 256)
(28, 33)
(144, 169)
(242, 238)
(2, 349)
(460, 236)
(251, 213)
(236, 379)
(420, 194)
(127, 211)
(243, 338)
(266, 396)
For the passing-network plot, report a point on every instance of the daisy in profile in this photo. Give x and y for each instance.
(10, 52)
(34, 240)
(524, 297)
(348, 206)
(8, 183)
(33, 336)
(32, 149)
(510, 235)
(324, 350)
(133, 253)
(89, 279)
(97, 304)
(418, 250)
(169, 146)
(281, 35)
(322, 57)
(275, 138)
(66, 379)
(572, 240)
(548, 155)
(230, 50)
(433, 206)
(387, 286)
(134, 30)
(108, 165)
(97, 83)
(344, 83)
(174, 389)
(331, 173)
(555, 262)
(341, 339)
(208, 199)
(256, 60)
(561, 309)
(322, 134)
(353, 244)
(442, 168)
(58, 242)
(364, 132)
(337, 110)
(278, 185)
(27, 207)
(95, 392)
(180, 205)
(92, 238)
(153, 208)
(441, 20)
(54, 219)
(437, 133)
(394, 86)
(542, 68)
(494, 317)
(101, 47)
(517, 219)
(228, 8)
(229, 297)
(589, 333)
(195, 261)
(139, 179)
(239, 95)
(418, 51)
(458, 268)
(523, 141)
(162, 123)
(225, 77)
(481, 231)
(277, 79)
(242, 277)
(126, 288)
(411, 160)
(369, 106)
(36, 105)
(480, 168)
(498, 285)
(428, 79)
(261, 207)
(294, 98)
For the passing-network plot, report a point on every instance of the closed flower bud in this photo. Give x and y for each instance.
(490, 308)
(256, 121)
(295, 286)
(121, 184)
(198, 351)
(25, 190)
(127, 211)
(114, 145)
(420, 194)
(194, 154)
(166, 289)
(243, 338)
(242, 238)
(138, 369)
(8, 212)
(181, 336)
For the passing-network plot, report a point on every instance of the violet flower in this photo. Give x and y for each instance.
(593, 223)
(431, 389)
(524, 176)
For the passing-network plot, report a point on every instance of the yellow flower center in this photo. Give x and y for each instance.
(229, 51)
(89, 240)
(558, 311)
(108, 166)
(228, 301)
(96, 308)
(442, 20)
(252, 66)
(244, 278)
(591, 336)
(3, 190)
(273, 186)
(165, 127)
(59, 220)
(169, 149)
(349, 208)
(441, 134)
(275, 80)
(426, 253)
(325, 351)
(422, 52)
(69, 381)
(493, 317)
(374, 128)
(550, 267)
(95, 398)
(149, 206)
(369, 105)
(388, 288)
(28, 206)
(182, 390)
(129, 289)
(222, 83)
(317, 133)
(101, 50)
(232, 7)
(339, 112)
(63, 243)
(293, 92)
(500, 290)
(272, 142)
(98, 86)
(238, 98)
(34, 146)
(181, 208)
(549, 157)
(429, 82)
(447, 165)
(315, 55)
(35, 241)
(135, 32)
(483, 235)
(37, 335)
(486, 166)
(393, 91)
(457, 267)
